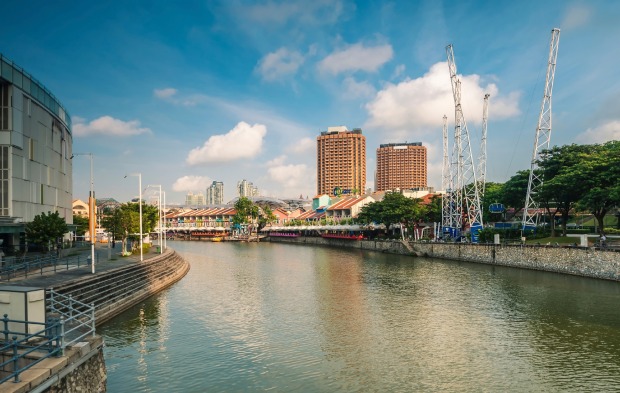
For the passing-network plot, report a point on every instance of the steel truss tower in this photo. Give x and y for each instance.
(543, 137)
(482, 161)
(466, 187)
(447, 203)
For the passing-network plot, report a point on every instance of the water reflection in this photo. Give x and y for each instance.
(252, 317)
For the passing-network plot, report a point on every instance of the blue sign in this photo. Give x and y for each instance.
(496, 208)
(475, 229)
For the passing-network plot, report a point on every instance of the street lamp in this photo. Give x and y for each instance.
(140, 207)
(164, 220)
(92, 219)
(161, 244)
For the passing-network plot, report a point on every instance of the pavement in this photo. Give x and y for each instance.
(50, 279)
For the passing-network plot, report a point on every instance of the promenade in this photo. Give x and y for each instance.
(51, 279)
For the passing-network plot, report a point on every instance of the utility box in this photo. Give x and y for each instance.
(24, 304)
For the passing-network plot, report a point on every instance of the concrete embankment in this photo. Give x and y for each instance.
(116, 286)
(579, 261)
(116, 290)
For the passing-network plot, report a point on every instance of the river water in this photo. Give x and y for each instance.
(285, 318)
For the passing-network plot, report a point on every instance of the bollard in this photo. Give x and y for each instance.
(6, 327)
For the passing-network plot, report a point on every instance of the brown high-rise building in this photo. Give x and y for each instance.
(341, 161)
(401, 165)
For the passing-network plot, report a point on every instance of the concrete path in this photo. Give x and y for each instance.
(52, 279)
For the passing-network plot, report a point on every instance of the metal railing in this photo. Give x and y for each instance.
(32, 265)
(68, 322)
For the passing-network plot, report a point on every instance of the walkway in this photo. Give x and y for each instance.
(51, 279)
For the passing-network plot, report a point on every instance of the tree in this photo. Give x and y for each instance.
(564, 183)
(432, 211)
(393, 209)
(123, 221)
(601, 173)
(81, 224)
(514, 191)
(46, 229)
(492, 194)
(266, 216)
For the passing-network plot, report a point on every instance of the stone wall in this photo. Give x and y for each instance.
(580, 261)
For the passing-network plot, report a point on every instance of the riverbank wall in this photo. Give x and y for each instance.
(579, 261)
(81, 368)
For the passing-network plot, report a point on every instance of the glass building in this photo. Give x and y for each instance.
(35, 153)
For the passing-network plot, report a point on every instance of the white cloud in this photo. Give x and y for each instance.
(304, 145)
(191, 183)
(354, 89)
(576, 16)
(398, 71)
(277, 161)
(420, 104)
(109, 126)
(243, 141)
(279, 64)
(609, 131)
(357, 58)
(164, 93)
(291, 177)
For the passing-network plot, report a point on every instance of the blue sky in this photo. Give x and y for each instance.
(190, 92)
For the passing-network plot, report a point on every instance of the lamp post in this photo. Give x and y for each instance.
(140, 209)
(161, 242)
(92, 219)
(164, 220)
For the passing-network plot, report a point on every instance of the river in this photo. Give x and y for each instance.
(287, 318)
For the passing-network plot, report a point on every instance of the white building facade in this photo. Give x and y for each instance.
(36, 145)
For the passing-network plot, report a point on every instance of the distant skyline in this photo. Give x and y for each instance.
(201, 91)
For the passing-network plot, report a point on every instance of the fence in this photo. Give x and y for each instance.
(68, 322)
(31, 265)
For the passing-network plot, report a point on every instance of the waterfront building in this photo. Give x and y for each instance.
(36, 145)
(215, 193)
(401, 166)
(247, 189)
(341, 162)
(80, 208)
(347, 208)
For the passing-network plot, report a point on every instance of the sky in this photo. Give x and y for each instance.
(186, 93)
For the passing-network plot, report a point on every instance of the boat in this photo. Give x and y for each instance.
(345, 236)
(217, 239)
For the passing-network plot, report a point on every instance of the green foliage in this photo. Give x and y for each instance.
(45, 229)
(81, 224)
(394, 208)
(487, 235)
(432, 211)
(514, 191)
(246, 211)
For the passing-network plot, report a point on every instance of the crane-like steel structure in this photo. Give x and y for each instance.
(482, 161)
(465, 184)
(543, 137)
(447, 204)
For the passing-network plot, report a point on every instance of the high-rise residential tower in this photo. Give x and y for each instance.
(401, 165)
(247, 189)
(215, 193)
(341, 161)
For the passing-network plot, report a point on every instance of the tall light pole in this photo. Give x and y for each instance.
(161, 243)
(92, 219)
(140, 207)
(164, 220)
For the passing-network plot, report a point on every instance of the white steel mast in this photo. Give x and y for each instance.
(482, 161)
(467, 184)
(447, 202)
(543, 137)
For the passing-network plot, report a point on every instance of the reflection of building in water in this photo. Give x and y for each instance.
(346, 323)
